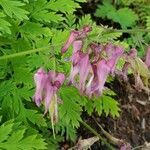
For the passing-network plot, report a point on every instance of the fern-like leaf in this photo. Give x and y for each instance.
(13, 8)
(124, 16)
(72, 113)
(4, 25)
(14, 138)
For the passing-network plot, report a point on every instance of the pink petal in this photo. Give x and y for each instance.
(102, 70)
(81, 65)
(77, 46)
(85, 67)
(49, 93)
(75, 58)
(116, 54)
(40, 79)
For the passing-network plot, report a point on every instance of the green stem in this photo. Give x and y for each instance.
(95, 133)
(24, 53)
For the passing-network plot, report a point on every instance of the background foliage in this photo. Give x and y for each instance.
(32, 24)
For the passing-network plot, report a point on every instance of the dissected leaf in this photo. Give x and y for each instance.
(72, 113)
(4, 25)
(15, 139)
(12, 7)
(126, 17)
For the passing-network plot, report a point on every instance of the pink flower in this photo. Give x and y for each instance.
(80, 65)
(55, 80)
(84, 69)
(47, 85)
(101, 71)
(75, 35)
(147, 60)
(116, 54)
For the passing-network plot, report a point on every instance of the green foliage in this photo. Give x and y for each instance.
(70, 98)
(13, 8)
(4, 25)
(124, 16)
(14, 136)
(148, 22)
(105, 104)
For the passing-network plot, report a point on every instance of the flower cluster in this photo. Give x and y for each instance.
(47, 85)
(92, 66)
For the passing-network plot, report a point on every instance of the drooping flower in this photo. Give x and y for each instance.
(55, 80)
(84, 67)
(75, 35)
(114, 57)
(147, 60)
(80, 65)
(47, 85)
(101, 71)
